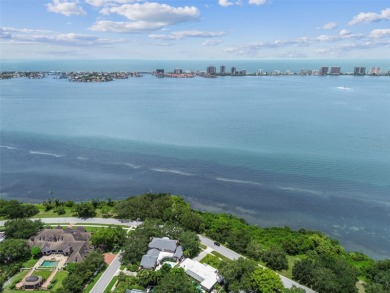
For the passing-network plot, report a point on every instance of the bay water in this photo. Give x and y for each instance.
(303, 151)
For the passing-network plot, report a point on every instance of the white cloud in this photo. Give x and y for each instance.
(226, 3)
(330, 25)
(212, 43)
(325, 38)
(156, 12)
(368, 17)
(48, 37)
(145, 17)
(344, 32)
(125, 27)
(187, 34)
(257, 2)
(101, 3)
(380, 33)
(66, 8)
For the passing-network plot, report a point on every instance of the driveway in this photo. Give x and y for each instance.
(107, 276)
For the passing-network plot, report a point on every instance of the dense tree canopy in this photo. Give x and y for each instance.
(85, 210)
(266, 281)
(107, 238)
(12, 250)
(13, 209)
(81, 273)
(22, 228)
(326, 273)
(176, 281)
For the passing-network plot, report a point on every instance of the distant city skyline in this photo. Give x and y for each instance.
(193, 29)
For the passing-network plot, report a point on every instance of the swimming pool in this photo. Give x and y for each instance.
(49, 264)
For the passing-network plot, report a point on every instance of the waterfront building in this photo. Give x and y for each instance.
(375, 70)
(178, 71)
(324, 70)
(222, 69)
(243, 72)
(260, 72)
(359, 70)
(233, 71)
(315, 72)
(211, 70)
(335, 70)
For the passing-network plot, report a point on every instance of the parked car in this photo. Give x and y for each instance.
(217, 243)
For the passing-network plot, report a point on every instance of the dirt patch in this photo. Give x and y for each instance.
(109, 257)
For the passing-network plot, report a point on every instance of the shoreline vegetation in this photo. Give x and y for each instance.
(94, 76)
(309, 257)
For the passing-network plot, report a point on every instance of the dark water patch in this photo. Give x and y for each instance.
(82, 169)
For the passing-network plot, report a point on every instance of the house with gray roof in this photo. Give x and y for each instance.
(70, 242)
(160, 249)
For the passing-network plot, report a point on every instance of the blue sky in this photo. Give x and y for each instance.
(194, 29)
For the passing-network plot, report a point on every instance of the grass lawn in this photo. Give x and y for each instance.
(217, 254)
(52, 213)
(45, 274)
(111, 284)
(291, 260)
(16, 279)
(95, 279)
(211, 260)
(203, 246)
(59, 277)
(30, 263)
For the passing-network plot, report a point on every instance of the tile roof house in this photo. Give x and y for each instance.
(70, 242)
(160, 249)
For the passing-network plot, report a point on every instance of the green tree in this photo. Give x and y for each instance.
(275, 258)
(107, 238)
(36, 252)
(85, 210)
(266, 281)
(81, 273)
(13, 250)
(190, 243)
(237, 274)
(176, 281)
(13, 209)
(22, 228)
(134, 248)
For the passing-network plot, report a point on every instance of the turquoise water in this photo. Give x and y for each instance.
(309, 152)
(49, 264)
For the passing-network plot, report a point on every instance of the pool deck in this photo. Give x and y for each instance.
(54, 257)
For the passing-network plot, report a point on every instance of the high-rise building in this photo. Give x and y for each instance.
(159, 71)
(243, 72)
(324, 70)
(359, 70)
(375, 70)
(260, 72)
(178, 71)
(335, 70)
(233, 71)
(211, 70)
(222, 69)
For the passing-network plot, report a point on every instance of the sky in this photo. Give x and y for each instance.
(194, 29)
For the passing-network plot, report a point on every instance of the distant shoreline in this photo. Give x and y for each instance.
(105, 76)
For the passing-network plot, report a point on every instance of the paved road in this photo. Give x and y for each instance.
(107, 276)
(234, 255)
